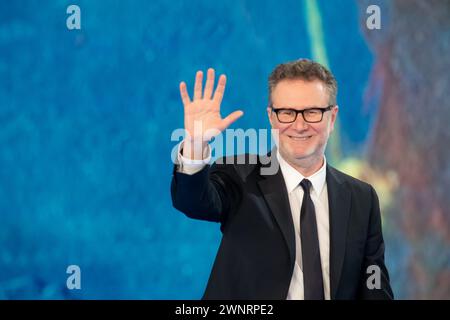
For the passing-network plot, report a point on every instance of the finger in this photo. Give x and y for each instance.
(184, 94)
(209, 84)
(232, 118)
(198, 85)
(218, 95)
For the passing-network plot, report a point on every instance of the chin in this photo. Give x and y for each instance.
(296, 154)
(302, 155)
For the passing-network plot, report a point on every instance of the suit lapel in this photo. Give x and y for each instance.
(274, 191)
(339, 198)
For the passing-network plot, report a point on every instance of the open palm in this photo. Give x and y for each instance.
(202, 119)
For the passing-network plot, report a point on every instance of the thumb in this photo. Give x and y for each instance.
(232, 118)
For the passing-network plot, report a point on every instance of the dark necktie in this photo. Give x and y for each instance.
(312, 268)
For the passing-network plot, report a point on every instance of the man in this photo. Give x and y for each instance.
(308, 231)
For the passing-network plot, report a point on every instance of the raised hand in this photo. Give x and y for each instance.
(202, 119)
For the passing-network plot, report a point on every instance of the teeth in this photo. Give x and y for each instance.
(300, 138)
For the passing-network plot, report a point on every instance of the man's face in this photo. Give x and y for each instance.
(301, 142)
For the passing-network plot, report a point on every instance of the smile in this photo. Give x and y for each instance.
(300, 138)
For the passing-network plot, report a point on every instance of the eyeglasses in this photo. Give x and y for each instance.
(310, 115)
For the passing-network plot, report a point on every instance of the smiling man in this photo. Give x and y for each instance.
(306, 232)
(302, 141)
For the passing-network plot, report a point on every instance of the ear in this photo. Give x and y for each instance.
(269, 114)
(334, 113)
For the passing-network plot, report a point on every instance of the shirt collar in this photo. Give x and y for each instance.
(293, 178)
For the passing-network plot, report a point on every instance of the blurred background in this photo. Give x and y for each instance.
(86, 118)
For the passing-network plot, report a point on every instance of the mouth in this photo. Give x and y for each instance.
(300, 138)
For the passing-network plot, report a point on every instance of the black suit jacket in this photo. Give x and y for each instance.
(256, 256)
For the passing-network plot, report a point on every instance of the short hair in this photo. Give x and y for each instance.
(307, 70)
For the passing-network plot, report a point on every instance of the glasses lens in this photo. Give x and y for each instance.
(286, 115)
(313, 115)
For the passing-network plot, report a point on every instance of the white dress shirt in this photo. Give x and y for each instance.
(189, 166)
(319, 196)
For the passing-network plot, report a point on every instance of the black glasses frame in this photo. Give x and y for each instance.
(322, 110)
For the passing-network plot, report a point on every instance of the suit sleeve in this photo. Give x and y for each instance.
(210, 194)
(374, 258)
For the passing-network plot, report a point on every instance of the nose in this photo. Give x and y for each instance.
(300, 123)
